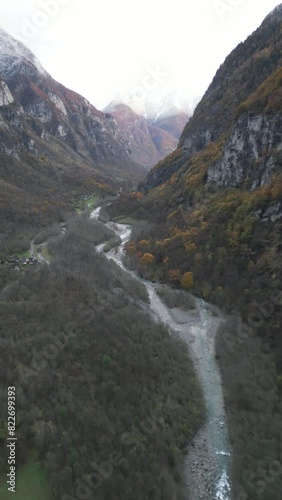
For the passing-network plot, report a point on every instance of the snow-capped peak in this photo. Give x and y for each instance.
(13, 53)
(159, 104)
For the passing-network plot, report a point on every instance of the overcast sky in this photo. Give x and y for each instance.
(102, 49)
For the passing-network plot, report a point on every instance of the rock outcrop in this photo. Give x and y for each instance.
(5, 95)
(252, 154)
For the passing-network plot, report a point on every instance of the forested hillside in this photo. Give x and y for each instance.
(106, 397)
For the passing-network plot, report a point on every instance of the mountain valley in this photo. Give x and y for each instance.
(144, 341)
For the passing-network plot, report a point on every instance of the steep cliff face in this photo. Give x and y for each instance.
(53, 142)
(252, 153)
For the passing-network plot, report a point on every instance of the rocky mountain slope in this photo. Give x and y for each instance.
(215, 212)
(53, 142)
(229, 102)
(173, 121)
(148, 141)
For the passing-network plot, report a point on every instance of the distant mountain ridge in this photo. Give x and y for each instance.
(148, 141)
(158, 102)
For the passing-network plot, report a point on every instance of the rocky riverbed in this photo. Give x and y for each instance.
(207, 464)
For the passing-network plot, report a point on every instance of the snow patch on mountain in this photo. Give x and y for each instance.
(62, 131)
(13, 53)
(156, 104)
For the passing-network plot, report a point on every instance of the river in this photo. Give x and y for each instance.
(208, 459)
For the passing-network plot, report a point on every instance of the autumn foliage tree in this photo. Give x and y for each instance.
(187, 281)
(147, 259)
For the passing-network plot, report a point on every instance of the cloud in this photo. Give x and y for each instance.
(101, 49)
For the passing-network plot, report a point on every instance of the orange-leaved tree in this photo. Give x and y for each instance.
(147, 259)
(187, 281)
